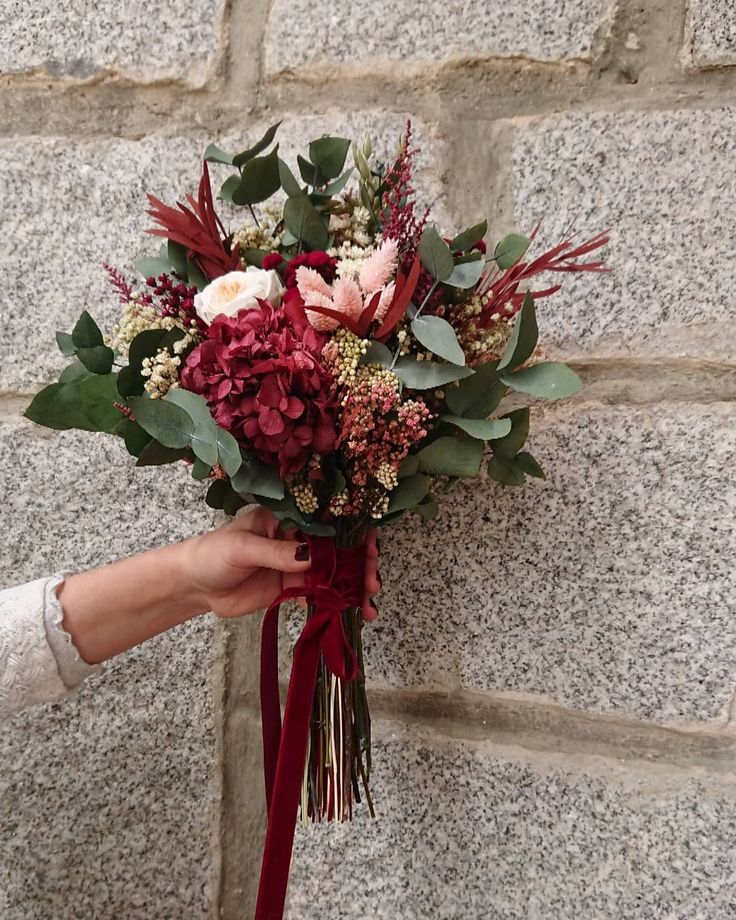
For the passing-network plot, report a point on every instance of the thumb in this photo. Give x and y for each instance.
(255, 551)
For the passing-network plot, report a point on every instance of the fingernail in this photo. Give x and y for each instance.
(302, 552)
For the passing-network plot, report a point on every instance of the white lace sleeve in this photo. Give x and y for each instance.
(31, 615)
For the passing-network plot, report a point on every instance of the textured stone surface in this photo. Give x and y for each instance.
(479, 832)
(663, 182)
(135, 41)
(69, 207)
(712, 28)
(607, 587)
(363, 36)
(106, 799)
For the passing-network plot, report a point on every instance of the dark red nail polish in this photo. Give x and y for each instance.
(302, 552)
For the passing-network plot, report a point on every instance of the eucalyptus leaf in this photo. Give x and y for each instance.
(258, 478)
(529, 465)
(470, 237)
(153, 266)
(408, 492)
(232, 502)
(74, 372)
(466, 274)
(520, 346)
(377, 353)
(435, 254)
(509, 446)
(200, 470)
(408, 466)
(66, 344)
(168, 423)
(451, 457)
(334, 188)
(228, 450)
(506, 471)
(98, 359)
(196, 276)
(216, 493)
(86, 403)
(215, 154)
(177, 256)
(86, 332)
(135, 438)
(241, 158)
(484, 429)
(228, 187)
(426, 375)
(328, 154)
(307, 171)
(305, 222)
(204, 437)
(155, 454)
(259, 180)
(428, 507)
(548, 380)
(510, 250)
(288, 180)
(477, 396)
(436, 334)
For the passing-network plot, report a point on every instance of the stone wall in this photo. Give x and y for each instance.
(553, 671)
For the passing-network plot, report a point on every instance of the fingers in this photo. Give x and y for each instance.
(256, 551)
(259, 521)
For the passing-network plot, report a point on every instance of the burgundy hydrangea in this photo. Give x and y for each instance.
(261, 375)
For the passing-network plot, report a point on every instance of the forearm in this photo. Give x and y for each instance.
(113, 608)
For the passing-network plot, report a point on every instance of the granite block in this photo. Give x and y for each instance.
(711, 33)
(107, 799)
(71, 206)
(479, 832)
(367, 36)
(83, 41)
(609, 587)
(663, 182)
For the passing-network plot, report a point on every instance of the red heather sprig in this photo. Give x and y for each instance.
(399, 217)
(565, 257)
(198, 229)
(119, 282)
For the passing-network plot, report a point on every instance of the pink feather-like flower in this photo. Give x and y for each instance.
(379, 267)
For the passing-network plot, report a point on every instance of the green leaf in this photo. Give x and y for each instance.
(258, 478)
(228, 450)
(216, 493)
(267, 139)
(204, 436)
(145, 345)
(135, 438)
(196, 276)
(98, 359)
(428, 507)
(466, 274)
(85, 403)
(485, 429)
(477, 396)
(377, 353)
(524, 335)
(408, 492)
(254, 256)
(288, 180)
(425, 375)
(508, 447)
(66, 344)
(232, 502)
(155, 454)
(470, 237)
(200, 470)
(215, 154)
(260, 179)
(86, 332)
(548, 380)
(177, 255)
(228, 187)
(74, 372)
(529, 465)
(506, 471)
(304, 221)
(408, 466)
(154, 266)
(439, 337)
(452, 457)
(308, 172)
(435, 254)
(334, 188)
(163, 420)
(317, 529)
(328, 154)
(510, 250)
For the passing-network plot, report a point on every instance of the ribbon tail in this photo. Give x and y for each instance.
(284, 801)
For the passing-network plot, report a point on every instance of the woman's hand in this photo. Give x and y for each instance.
(243, 566)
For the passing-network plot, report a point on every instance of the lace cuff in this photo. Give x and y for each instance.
(73, 670)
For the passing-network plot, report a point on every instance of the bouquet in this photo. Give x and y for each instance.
(338, 360)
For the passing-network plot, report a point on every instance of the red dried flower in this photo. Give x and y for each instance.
(318, 260)
(264, 382)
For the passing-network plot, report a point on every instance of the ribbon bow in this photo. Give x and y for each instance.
(333, 584)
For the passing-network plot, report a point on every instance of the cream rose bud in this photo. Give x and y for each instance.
(238, 291)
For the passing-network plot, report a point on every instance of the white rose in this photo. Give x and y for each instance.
(238, 291)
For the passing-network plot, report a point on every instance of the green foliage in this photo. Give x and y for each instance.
(505, 466)
(154, 266)
(510, 250)
(155, 454)
(524, 335)
(435, 255)
(168, 423)
(439, 337)
(86, 332)
(468, 238)
(451, 457)
(408, 466)
(228, 187)
(466, 274)
(200, 470)
(304, 221)
(288, 181)
(215, 154)
(98, 359)
(426, 375)
(377, 353)
(484, 429)
(257, 478)
(145, 345)
(477, 396)
(216, 493)
(529, 465)
(408, 492)
(204, 436)
(66, 344)
(328, 154)
(259, 180)
(241, 159)
(85, 402)
(135, 437)
(548, 380)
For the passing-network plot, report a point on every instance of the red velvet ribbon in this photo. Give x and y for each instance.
(334, 583)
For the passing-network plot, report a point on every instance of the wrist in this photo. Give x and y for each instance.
(193, 597)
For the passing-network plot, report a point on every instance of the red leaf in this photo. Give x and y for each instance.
(366, 317)
(402, 296)
(344, 320)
